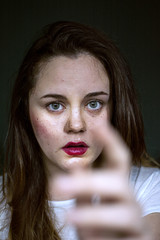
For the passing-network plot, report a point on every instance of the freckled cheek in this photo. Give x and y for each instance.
(96, 122)
(93, 123)
(40, 129)
(104, 117)
(43, 129)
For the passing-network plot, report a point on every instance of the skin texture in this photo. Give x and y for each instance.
(79, 117)
(75, 118)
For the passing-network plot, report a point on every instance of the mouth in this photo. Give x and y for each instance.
(75, 148)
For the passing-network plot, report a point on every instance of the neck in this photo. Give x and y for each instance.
(55, 194)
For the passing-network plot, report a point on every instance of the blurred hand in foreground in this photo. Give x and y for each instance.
(106, 207)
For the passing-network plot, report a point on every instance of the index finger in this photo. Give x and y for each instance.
(116, 154)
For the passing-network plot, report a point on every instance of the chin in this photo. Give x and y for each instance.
(77, 162)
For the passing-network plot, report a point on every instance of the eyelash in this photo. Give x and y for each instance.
(50, 105)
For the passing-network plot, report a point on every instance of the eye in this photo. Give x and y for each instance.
(94, 105)
(55, 107)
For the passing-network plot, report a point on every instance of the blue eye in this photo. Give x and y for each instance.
(55, 107)
(94, 105)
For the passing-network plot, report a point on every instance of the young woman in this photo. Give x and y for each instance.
(62, 151)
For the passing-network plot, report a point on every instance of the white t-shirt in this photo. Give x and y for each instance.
(145, 183)
(146, 186)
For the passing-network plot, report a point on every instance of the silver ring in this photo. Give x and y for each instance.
(95, 199)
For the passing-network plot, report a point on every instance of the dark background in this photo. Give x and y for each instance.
(133, 24)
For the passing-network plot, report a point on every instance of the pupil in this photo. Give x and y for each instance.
(55, 106)
(93, 104)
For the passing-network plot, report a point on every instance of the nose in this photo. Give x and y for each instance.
(75, 122)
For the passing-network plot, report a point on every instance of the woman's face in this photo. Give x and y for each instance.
(69, 101)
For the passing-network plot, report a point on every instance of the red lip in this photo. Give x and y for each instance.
(75, 148)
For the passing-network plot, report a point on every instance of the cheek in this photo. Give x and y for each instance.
(41, 127)
(99, 121)
(105, 115)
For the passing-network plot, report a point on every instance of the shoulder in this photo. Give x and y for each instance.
(141, 174)
(1, 180)
(4, 214)
(1, 192)
(146, 184)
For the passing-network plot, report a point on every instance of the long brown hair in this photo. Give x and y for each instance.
(26, 182)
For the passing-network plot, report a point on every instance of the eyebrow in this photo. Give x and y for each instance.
(50, 95)
(92, 94)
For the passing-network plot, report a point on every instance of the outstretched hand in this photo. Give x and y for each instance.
(106, 207)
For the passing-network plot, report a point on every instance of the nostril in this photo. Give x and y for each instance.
(75, 123)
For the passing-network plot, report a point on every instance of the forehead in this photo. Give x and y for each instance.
(70, 73)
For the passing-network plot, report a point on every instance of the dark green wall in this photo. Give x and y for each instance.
(133, 24)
